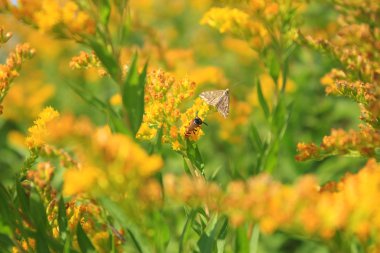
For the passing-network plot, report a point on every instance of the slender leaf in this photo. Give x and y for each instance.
(254, 242)
(104, 11)
(131, 228)
(5, 241)
(186, 228)
(255, 138)
(89, 97)
(195, 156)
(37, 209)
(22, 199)
(84, 242)
(262, 100)
(133, 94)
(62, 218)
(41, 242)
(242, 240)
(107, 59)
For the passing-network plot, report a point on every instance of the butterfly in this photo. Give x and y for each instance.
(218, 98)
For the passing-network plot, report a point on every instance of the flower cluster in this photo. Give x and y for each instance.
(364, 142)
(299, 208)
(253, 21)
(113, 162)
(67, 17)
(78, 210)
(356, 47)
(226, 19)
(85, 61)
(11, 68)
(4, 36)
(101, 164)
(38, 132)
(164, 99)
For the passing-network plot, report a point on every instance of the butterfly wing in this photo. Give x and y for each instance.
(223, 105)
(212, 97)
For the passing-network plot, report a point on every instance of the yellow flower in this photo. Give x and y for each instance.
(80, 180)
(199, 109)
(48, 16)
(38, 132)
(176, 145)
(226, 19)
(145, 132)
(116, 100)
(164, 100)
(151, 165)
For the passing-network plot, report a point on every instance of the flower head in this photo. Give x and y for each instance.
(165, 98)
(38, 132)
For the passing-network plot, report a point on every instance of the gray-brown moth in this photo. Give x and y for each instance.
(218, 98)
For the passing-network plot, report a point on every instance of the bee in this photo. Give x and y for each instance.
(193, 126)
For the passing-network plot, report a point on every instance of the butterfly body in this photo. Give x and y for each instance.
(193, 126)
(220, 99)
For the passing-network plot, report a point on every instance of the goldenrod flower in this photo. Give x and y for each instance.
(164, 100)
(64, 17)
(226, 19)
(13, 64)
(48, 16)
(116, 100)
(38, 132)
(79, 180)
(364, 142)
(303, 207)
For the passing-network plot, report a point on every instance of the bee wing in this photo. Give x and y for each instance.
(212, 97)
(223, 105)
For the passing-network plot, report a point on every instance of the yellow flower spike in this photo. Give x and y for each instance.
(164, 99)
(116, 100)
(48, 16)
(38, 132)
(226, 19)
(176, 145)
(151, 165)
(79, 181)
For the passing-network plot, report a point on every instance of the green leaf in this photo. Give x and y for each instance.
(274, 68)
(254, 242)
(104, 8)
(241, 242)
(84, 242)
(162, 238)
(214, 234)
(186, 166)
(41, 242)
(89, 97)
(116, 123)
(131, 228)
(262, 100)
(107, 59)
(22, 199)
(133, 94)
(37, 211)
(67, 245)
(62, 218)
(256, 139)
(186, 228)
(5, 241)
(195, 156)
